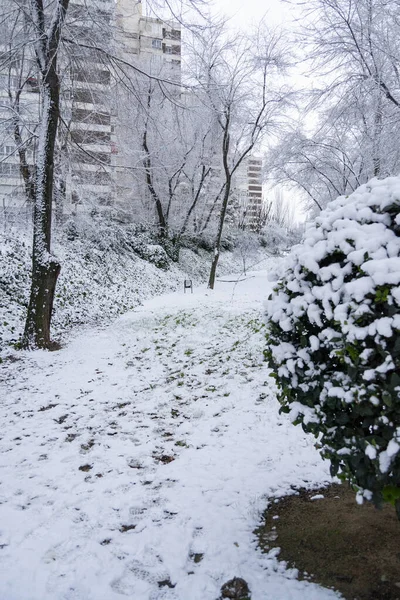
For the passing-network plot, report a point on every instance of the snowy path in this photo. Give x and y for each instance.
(135, 461)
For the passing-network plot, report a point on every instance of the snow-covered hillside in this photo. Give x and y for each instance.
(106, 271)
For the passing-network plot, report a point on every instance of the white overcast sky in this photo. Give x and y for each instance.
(245, 12)
(242, 12)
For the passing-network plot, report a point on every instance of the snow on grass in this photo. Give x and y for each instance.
(136, 461)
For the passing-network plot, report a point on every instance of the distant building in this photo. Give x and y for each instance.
(247, 192)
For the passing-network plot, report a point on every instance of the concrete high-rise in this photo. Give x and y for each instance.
(247, 187)
(147, 39)
(88, 156)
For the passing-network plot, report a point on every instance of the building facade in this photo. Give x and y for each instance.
(148, 39)
(90, 164)
(248, 192)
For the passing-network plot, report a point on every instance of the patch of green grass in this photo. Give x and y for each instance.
(256, 325)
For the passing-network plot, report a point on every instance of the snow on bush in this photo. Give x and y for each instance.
(333, 337)
(278, 238)
(15, 264)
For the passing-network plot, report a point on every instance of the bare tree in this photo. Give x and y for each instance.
(353, 54)
(347, 146)
(168, 145)
(47, 21)
(356, 43)
(19, 107)
(237, 79)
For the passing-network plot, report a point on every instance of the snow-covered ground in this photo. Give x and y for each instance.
(136, 461)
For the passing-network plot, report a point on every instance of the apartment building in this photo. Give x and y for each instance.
(90, 173)
(247, 190)
(154, 45)
(151, 41)
(12, 193)
(84, 146)
(87, 156)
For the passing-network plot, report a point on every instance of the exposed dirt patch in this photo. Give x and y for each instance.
(85, 468)
(126, 528)
(196, 557)
(164, 458)
(43, 408)
(337, 543)
(235, 589)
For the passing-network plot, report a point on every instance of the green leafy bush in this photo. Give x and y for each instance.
(333, 338)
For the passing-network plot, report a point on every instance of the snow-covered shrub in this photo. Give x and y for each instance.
(333, 337)
(15, 264)
(277, 238)
(247, 245)
(107, 235)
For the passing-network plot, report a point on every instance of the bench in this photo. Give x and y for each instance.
(187, 285)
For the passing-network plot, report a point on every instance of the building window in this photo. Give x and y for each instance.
(91, 76)
(7, 150)
(86, 96)
(88, 116)
(175, 34)
(94, 178)
(93, 158)
(91, 137)
(156, 44)
(10, 169)
(32, 84)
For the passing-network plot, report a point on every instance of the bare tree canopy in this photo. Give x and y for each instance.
(352, 54)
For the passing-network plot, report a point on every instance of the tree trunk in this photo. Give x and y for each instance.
(162, 223)
(214, 264)
(376, 158)
(60, 199)
(45, 267)
(227, 191)
(213, 271)
(37, 327)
